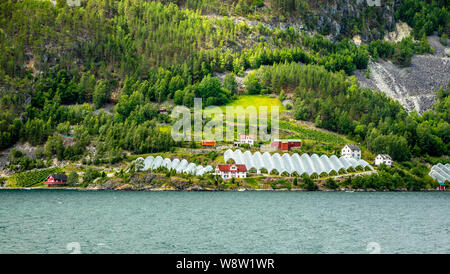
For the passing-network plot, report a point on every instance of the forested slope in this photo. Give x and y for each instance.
(60, 64)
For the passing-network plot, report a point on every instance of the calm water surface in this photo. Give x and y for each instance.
(45, 221)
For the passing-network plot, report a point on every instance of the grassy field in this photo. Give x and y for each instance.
(256, 101)
(304, 133)
(243, 101)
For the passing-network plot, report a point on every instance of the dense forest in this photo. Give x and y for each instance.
(96, 75)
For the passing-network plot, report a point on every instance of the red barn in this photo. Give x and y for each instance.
(56, 180)
(286, 144)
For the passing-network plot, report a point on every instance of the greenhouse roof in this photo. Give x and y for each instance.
(294, 163)
(180, 166)
(440, 172)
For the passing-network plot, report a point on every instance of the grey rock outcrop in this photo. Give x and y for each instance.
(414, 87)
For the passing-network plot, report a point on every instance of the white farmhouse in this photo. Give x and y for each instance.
(247, 139)
(383, 159)
(231, 171)
(351, 151)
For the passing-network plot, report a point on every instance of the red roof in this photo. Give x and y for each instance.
(286, 144)
(56, 179)
(240, 168)
(251, 137)
(208, 143)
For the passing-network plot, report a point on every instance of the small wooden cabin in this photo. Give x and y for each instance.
(56, 180)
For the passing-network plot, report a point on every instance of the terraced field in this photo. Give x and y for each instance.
(311, 134)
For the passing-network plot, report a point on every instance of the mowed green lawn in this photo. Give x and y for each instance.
(256, 101)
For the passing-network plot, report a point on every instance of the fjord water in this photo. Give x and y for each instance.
(45, 221)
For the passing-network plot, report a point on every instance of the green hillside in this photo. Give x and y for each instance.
(96, 83)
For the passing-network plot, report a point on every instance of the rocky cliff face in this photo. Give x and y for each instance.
(333, 18)
(351, 17)
(414, 87)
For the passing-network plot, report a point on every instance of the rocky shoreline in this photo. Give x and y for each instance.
(200, 189)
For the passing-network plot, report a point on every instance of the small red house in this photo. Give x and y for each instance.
(55, 180)
(441, 186)
(286, 144)
(208, 143)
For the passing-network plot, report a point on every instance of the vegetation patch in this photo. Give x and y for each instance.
(256, 101)
(311, 134)
(32, 178)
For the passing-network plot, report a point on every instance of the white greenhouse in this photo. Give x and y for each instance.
(182, 166)
(304, 164)
(440, 172)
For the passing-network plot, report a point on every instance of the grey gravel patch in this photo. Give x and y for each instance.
(439, 49)
(414, 87)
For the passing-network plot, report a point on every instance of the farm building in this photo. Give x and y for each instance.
(55, 180)
(247, 139)
(231, 171)
(383, 159)
(351, 151)
(286, 144)
(208, 143)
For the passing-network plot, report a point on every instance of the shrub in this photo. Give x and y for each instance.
(72, 179)
(443, 39)
(308, 183)
(330, 183)
(90, 175)
(367, 73)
